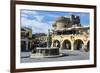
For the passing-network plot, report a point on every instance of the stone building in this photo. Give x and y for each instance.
(40, 39)
(69, 34)
(26, 36)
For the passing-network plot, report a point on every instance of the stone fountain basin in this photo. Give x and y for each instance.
(46, 52)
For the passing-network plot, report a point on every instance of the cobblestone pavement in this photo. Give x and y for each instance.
(69, 56)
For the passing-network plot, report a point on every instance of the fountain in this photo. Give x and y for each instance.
(46, 51)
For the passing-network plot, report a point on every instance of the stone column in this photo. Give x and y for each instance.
(72, 45)
(26, 44)
(52, 44)
(39, 51)
(61, 46)
(72, 42)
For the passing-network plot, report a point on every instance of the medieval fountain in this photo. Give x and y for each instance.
(45, 52)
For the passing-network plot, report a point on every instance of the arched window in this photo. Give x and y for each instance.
(78, 44)
(56, 43)
(67, 45)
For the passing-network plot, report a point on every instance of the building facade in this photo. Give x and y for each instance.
(69, 34)
(40, 39)
(26, 39)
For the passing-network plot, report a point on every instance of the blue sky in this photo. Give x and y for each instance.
(41, 21)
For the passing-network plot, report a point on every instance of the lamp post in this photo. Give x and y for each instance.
(48, 39)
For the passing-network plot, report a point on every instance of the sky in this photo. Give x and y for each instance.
(41, 21)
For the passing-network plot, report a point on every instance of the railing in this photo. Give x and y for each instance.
(69, 36)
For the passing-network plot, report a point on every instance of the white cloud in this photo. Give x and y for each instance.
(39, 17)
(29, 12)
(37, 26)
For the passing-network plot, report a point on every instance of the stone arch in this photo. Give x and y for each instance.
(66, 44)
(78, 44)
(56, 43)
